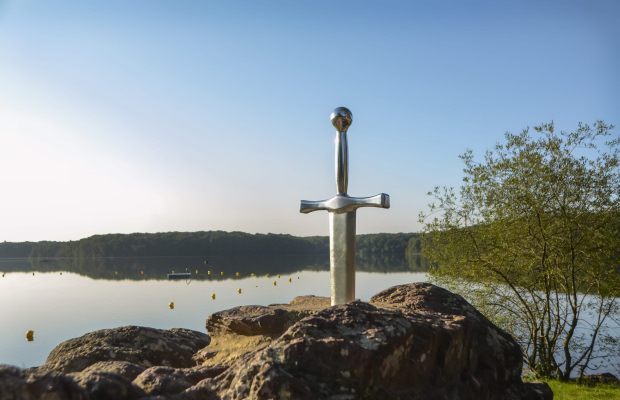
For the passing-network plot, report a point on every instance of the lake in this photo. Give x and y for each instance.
(60, 299)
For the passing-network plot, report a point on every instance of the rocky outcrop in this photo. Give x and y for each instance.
(414, 341)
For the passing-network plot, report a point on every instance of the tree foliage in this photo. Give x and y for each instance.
(532, 239)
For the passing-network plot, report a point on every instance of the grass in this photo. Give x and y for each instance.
(573, 391)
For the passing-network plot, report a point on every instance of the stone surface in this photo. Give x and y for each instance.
(142, 346)
(103, 385)
(29, 384)
(169, 381)
(414, 341)
(240, 330)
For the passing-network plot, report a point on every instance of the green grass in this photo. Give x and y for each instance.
(573, 391)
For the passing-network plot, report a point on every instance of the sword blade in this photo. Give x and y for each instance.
(342, 256)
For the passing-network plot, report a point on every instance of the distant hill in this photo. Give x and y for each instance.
(209, 243)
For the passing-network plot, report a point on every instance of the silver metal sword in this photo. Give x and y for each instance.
(341, 210)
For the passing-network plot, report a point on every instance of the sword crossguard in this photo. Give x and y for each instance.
(341, 203)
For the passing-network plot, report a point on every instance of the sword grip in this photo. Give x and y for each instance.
(342, 163)
(342, 118)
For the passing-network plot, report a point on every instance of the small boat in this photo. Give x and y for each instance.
(180, 275)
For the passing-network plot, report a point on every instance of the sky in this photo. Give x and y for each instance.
(155, 116)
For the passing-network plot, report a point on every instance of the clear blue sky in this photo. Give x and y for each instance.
(151, 116)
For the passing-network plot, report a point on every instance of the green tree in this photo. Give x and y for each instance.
(532, 239)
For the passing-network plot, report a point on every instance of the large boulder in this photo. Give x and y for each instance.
(142, 346)
(415, 341)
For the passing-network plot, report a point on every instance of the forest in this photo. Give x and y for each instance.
(148, 256)
(206, 243)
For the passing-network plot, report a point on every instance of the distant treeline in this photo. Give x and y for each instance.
(211, 243)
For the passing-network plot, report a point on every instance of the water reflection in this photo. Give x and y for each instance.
(206, 268)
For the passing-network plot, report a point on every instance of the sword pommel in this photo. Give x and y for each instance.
(342, 118)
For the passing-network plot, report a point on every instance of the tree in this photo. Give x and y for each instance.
(532, 239)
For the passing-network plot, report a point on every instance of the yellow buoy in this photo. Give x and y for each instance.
(141, 272)
(237, 274)
(33, 274)
(278, 276)
(222, 272)
(275, 283)
(239, 291)
(290, 279)
(297, 277)
(208, 272)
(267, 275)
(250, 275)
(213, 296)
(30, 336)
(196, 272)
(171, 305)
(173, 271)
(115, 272)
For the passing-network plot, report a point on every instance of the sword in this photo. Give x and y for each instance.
(342, 209)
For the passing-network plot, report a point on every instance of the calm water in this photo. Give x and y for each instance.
(63, 299)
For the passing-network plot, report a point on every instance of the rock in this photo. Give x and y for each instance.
(415, 341)
(248, 320)
(124, 368)
(261, 320)
(30, 384)
(145, 347)
(103, 385)
(240, 330)
(603, 377)
(168, 381)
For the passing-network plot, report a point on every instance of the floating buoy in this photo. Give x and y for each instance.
(173, 271)
(171, 305)
(115, 272)
(222, 273)
(278, 276)
(30, 336)
(267, 275)
(33, 274)
(237, 274)
(141, 272)
(208, 272)
(213, 296)
(250, 275)
(239, 290)
(290, 279)
(297, 277)
(196, 272)
(275, 283)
